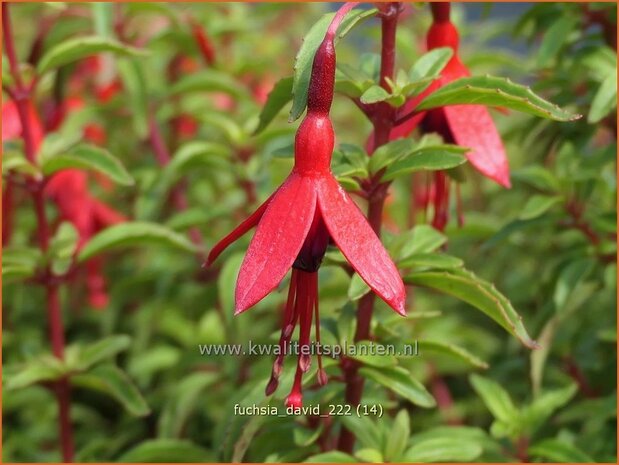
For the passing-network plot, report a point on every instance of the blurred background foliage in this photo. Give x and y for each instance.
(548, 244)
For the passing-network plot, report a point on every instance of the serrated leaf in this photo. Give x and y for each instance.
(497, 92)
(435, 158)
(482, 295)
(88, 157)
(134, 233)
(277, 99)
(166, 450)
(537, 206)
(453, 350)
(305, 56)
(81, 47)
(442, 450)
(114, 382)
(402, 383)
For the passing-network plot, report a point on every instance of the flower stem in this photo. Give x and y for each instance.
(383, 121)
(54, 311)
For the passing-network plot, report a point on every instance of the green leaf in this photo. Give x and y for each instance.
(41, 369)
(373, 354)
(557, 451)
(440, 261)
(88, 157)
(425, 70)
(19, 262)
(554, 39)
(495, 398)
(331, 457)
(81, 47)
(442, 450)
(62, 247)
(441, 157)
(136, 88)
(357, 288)
(209, 81)
(402, 383)
(569, 279)
(366, 431)
(305, 56)
(374, 94)
(369, 455)
(605, 99)
(103, 349)
(389, 153)
(494, 91)
(538, 177)
(114, 382)
(421, 239)
(535, 415)
(277, 99)
(482, 295)
(134, 233)
(430, 64)
(453, 350)
(183, 401)
(166, 450)
(15, 161)
(398, 437)
(537, 206)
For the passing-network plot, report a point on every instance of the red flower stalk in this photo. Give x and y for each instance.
(295, 225)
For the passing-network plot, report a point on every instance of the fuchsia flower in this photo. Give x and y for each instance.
(295, 225)
(466, 125)
(69, 191)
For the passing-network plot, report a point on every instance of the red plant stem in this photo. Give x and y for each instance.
(54, 311)
(382, 119)
(178, 196)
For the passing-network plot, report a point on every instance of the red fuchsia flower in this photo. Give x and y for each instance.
(466, 125)
(69, 190)
(295, 225)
